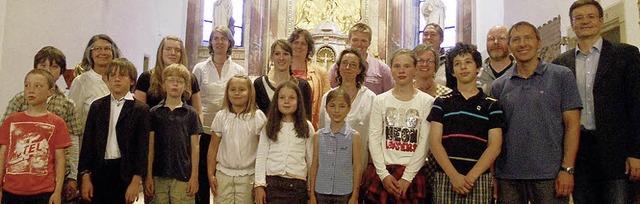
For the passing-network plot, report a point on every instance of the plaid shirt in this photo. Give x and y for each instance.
(62, 106)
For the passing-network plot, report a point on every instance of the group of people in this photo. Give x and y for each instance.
(430, 127)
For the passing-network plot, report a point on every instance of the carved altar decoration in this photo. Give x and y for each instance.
(433, 11)
(550, 40)
(311, 13)
(329, 42)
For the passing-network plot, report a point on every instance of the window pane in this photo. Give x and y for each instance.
(206, 31)
(449, 37)
(237, 12)
(207, 13)
(237, 36)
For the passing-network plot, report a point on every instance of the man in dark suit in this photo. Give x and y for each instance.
(608, 77)
(114, 151)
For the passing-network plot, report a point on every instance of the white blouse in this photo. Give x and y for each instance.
(85, 89)
(239, 141)
(288, 157)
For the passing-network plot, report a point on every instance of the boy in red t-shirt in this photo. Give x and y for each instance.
(32, 147)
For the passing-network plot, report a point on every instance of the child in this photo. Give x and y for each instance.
(336, 169)
(113, 159)
(173, 142)
(285, 150)
(232, 151)
(466, 134)
(32, 145)
(398, 137)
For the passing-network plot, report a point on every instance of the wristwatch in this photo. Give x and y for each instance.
(569, 170)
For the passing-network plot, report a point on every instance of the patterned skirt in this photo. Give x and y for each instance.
(417, 192)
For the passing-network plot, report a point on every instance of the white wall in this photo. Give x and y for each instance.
(488, 14)
(539, 12)
(136, 26)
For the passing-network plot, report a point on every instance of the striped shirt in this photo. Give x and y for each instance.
(466, 124)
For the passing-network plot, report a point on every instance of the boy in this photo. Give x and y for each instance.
(32, 147)
(53, 60)
(174, 142)
(113, 158)
(466, 134)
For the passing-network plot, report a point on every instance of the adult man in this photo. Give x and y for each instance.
(378, 77)
(608, 79)
(434, 35)
(53, 60)
(542, 107)
(499, 60)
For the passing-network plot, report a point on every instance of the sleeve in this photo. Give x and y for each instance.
(87, 151)
(14, 106)
(142, 141)
(309, 152)
(75, 133)
(418, 157)
(570, 95)
(217, 124)
(331, 74)
(437, 112)
(387, 79)
(260, 120)
(322, 112)
(496, 116)
(376, 126)
(77, 95)
(195, 86)
(306, 95)
(633, 86)
(261, 160)
(197, 72)
(5, 131)
(144, 82)
(61, 134)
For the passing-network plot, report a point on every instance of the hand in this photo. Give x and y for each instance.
(564, 184)
(312, 198)
(71, 190)
(131, 195)
(391, 185)
(56, 198)
(192, 186)
(87, 189)
(353, 200)
(404, 185)
(260, 195)
(633, 168)
(213, 182)
(460, 184)
(149, 189)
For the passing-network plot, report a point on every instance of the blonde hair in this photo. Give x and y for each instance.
(251, 105)
(181, 71)
(155, 85)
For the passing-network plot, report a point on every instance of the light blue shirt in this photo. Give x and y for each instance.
(586, 67)
(335, 161)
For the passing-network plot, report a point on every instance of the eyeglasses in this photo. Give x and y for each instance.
(589, 17)
(173, 80)
(101, 49)
(429, 61)
(348, 65)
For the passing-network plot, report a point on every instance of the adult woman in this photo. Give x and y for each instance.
(351, 72)
(398, 137)
(91, 85)
(281, 72)
(301, 66)
(212, 75)
(426, 69)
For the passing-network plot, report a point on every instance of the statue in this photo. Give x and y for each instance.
(310, 13)
(433, 11)
(222, 12)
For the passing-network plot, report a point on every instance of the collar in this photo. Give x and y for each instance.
(479, 95)
(542, 67)
(120, 101)
(596, 47)
(487, 61)
(327, 130)
(163, 103)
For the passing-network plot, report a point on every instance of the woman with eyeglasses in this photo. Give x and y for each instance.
(426, 69)
(91, 85)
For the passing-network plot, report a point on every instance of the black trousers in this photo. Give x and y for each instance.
(203, 195)
(10, 198)
(108, 186)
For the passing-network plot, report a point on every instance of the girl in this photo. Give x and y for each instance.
(232, 151)
(281, 72)
(336, 155)
(285, 150)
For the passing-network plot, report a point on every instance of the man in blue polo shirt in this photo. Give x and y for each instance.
(542, 108)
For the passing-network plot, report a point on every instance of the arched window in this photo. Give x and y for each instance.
(237, 18)
(449, 26)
